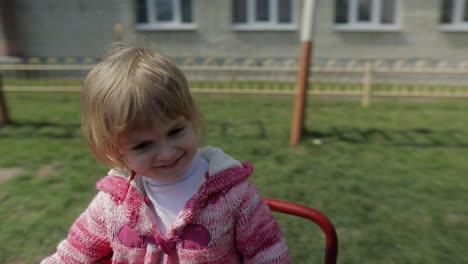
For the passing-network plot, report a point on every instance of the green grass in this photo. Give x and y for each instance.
(391, 178)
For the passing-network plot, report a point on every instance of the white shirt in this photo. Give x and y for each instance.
(168, 199)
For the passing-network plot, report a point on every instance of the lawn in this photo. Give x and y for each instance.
(393, 178)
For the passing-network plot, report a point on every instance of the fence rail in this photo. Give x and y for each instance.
(363, 79)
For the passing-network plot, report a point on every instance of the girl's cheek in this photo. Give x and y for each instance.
(146, 157)
(136, 163)
(134, 157)
(139, 158)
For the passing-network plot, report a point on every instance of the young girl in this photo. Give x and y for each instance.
(165, 200)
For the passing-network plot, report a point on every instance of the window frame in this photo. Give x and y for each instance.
(272, 24)
(374, 24)
(457, 23)
(175, 24)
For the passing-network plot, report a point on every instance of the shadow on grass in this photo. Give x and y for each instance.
(249, 130)
(40, 130)
(418, 137)
(258, 130)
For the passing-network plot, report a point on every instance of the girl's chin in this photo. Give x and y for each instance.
(168, 175)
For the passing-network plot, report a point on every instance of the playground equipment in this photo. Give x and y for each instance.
(331, 246)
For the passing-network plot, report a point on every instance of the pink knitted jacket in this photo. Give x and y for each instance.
(225, 222)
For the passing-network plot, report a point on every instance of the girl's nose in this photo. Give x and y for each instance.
(165, 152)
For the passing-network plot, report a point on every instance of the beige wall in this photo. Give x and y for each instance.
(214, 35)
(418, 37)
(65, 27)
(85, 28)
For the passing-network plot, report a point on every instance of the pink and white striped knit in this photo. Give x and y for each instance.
(225, 222)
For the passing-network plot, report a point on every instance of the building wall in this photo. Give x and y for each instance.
(85, 28)
(418, 37)
(65, 28)
(214, 35)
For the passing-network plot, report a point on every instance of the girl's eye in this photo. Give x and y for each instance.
(175, 132)
(141, 145)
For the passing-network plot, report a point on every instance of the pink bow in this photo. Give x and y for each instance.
(167, 244)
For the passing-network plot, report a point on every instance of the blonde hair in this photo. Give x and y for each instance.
(131, 88)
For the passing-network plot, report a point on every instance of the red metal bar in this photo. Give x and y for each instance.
(331, 247)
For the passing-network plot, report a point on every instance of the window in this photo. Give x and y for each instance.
(454, 15)
(367, 15)
(263, 14)
(164, 14)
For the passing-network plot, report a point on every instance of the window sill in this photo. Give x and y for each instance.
(363, 28)
(238, 27)
(166, 27)
(454, 28)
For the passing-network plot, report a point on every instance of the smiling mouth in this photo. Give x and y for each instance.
(171, 165)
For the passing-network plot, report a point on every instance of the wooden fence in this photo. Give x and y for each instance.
(363, 79)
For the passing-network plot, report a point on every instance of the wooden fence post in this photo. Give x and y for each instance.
(366, 85)
(297, 126)
(4, 116)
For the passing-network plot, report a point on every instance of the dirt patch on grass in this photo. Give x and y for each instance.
(457, 218)
(47, 171)
(8, 173)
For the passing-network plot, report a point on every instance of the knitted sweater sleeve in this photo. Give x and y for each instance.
(258, 236)
(86, 240)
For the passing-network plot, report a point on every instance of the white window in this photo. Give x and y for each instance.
(164, 15)
(263, 14)
(454, 15)
(367, 15)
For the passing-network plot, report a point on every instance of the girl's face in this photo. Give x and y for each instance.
(163, 152)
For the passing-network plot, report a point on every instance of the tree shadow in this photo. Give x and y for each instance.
(417, 137)
(249, 130)
(43, 129)
(257, 130)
